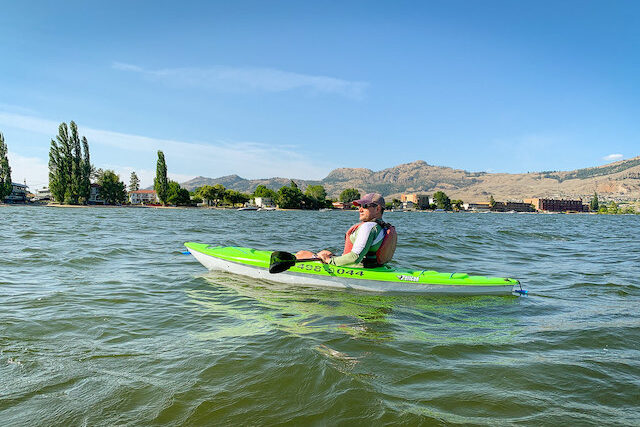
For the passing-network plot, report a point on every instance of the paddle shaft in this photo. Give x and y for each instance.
(308, 259)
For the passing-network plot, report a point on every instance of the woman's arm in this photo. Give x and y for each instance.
(365, 234)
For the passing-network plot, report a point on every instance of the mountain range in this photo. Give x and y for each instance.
(614, 181)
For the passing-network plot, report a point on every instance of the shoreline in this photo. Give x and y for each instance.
(56, 205)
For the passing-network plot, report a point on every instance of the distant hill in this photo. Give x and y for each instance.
(616, 181)
(234, 182)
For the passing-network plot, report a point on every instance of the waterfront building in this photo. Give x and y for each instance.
(341, 205)
(94, 197)
(264, 202)
(422, 201)
(18, 193)
(43, 194)
(408, 204)
(555, 205)
(513, 207)
(142, 197)
(477, 207)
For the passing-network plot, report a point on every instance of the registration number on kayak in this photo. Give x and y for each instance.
(318, 268)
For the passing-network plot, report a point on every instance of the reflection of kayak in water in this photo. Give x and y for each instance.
(255, 263)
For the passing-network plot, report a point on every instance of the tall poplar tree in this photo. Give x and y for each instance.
(65, 167)
(134, 182)
(76, 164)
(69, 166)
(5, 171)
(161, 183)
(61, 165)
(594, 205)
(56, 182)
(85, 187)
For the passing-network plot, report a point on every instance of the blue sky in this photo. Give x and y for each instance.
(298, 88)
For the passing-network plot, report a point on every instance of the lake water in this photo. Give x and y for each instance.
(103, 321)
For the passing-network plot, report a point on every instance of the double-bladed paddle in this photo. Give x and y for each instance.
(282, 261)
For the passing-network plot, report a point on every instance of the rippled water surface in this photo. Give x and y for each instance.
(103, 321)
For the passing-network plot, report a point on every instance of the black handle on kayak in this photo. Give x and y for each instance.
(282, 261)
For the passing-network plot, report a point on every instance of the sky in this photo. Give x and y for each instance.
(298, 88)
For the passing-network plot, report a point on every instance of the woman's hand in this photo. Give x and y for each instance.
(324, 255)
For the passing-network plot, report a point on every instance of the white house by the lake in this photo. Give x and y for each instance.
(143, 197)
(264, 202)
(43, 194)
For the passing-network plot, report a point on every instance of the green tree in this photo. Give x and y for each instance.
(218, 193)
(233, 197)
(195, 197)
(612, 208)
(289, 197)
(161, 183)
(5, 171)
(628, 210)
(95, 172)
(134, 182)
(85, 187)
(394, 203)
(212, 193)
(206, 193)
(61, 166)
(457, 204)
(183, 198)
(176, 195)
(56, 178)
(594, 205)
(492, 202)
(76, 164)
(315, 196)
(172, 191)
(112, 190)
(66, 151)
(69, 166)
(442, 200)
(349, 195)
(262, 191)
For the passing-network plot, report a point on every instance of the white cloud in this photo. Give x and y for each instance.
(241, 79)
(125, 153)
(145, 176)
(29, 123)
(32, 169)
(127, 67)
(612, 157)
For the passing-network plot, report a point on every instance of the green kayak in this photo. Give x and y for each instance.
(255, 263)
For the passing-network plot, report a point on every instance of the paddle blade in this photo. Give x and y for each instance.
(281, 261)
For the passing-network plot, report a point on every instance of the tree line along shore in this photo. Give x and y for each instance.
(75, 181)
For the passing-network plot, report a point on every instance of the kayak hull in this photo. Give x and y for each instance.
(255, 264)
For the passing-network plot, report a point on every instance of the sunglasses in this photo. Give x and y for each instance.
(369, 205)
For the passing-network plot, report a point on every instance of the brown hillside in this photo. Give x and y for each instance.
(615, 181)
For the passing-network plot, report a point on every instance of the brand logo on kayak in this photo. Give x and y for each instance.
(408, 278)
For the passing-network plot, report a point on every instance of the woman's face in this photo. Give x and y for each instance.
(370, 212)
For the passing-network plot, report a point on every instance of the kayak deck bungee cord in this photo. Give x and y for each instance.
(386, 279)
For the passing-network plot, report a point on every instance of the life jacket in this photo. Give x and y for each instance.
(386, 249)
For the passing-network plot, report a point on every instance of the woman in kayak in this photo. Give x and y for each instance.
(370, 243)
